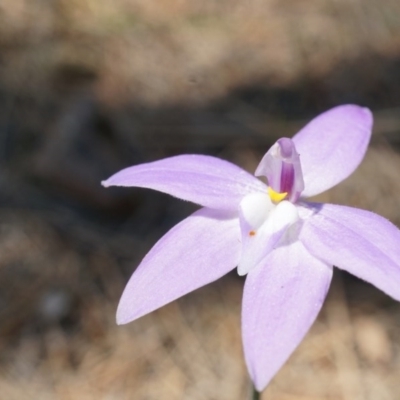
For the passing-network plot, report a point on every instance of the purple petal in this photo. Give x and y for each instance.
(332, 146)
(358, 241)
(205, 180)
(197, 251)
(282, 298)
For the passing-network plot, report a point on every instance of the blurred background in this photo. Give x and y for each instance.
(88, 87)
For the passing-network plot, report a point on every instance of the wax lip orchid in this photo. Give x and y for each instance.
(285, 245)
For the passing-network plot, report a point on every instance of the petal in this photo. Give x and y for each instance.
(262, 226)
(254, 210)
(282, 298)
(205, 180)
(358, 241)
(197, 251)
(332, 146)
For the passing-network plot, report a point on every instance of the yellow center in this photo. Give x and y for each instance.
(275, 196)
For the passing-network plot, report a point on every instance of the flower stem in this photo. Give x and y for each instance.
(255, 395)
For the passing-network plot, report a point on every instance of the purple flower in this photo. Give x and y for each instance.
(285, 245)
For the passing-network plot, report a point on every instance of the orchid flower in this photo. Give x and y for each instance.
(285, 245)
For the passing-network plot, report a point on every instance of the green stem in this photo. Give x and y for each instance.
(255, 395)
